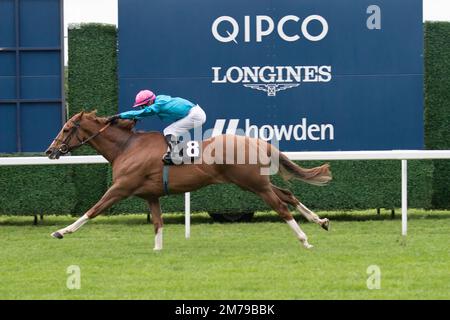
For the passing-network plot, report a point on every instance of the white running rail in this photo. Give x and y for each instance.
(402, 155)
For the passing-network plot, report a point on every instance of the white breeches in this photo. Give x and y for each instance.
(195, 118)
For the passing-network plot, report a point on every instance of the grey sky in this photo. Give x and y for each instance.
(90, 11)
(436, 10)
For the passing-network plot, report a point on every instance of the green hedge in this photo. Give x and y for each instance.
(30, 190)
(437, 105)
(92, 84)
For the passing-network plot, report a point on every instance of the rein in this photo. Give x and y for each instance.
(65, 148)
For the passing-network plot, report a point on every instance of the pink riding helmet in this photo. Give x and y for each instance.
(143, 97)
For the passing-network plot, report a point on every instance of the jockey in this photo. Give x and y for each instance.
(182, 114)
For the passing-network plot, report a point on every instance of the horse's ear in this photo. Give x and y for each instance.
(90, 114)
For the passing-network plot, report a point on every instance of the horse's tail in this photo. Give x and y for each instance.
(318, 176)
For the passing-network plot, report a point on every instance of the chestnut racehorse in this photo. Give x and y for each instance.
(135, 158)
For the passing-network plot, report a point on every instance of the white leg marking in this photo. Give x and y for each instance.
(309, 215)
(159, 240)
(299, 233)
(74, 226)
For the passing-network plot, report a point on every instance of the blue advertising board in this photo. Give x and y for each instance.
(31, 74)
(312, 74)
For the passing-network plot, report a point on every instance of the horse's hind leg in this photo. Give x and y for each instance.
(271, 198)
(311, 216)
(288, 197)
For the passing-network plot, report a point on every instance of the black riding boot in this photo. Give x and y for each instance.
(171, 142)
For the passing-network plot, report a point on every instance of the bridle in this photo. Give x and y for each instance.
(65, 148)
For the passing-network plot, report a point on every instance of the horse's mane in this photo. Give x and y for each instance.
(122, 123)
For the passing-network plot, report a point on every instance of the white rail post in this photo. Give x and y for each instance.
(404, 197)
(187, 214)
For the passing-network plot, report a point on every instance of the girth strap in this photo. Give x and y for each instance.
(166, 180)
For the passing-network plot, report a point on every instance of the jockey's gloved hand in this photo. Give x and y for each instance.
(112, 119)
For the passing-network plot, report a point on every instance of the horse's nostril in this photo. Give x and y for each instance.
(63, 149)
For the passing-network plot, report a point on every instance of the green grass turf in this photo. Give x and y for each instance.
(258, 260)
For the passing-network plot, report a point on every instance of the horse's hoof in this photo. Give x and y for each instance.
(307, 245)
(157, 249)
(57, 235)
(326, 224)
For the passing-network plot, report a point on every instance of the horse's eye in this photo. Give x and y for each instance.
(65, 130)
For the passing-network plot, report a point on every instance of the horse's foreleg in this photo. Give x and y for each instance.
(155, 210)
(113, 195)
(282, 209)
